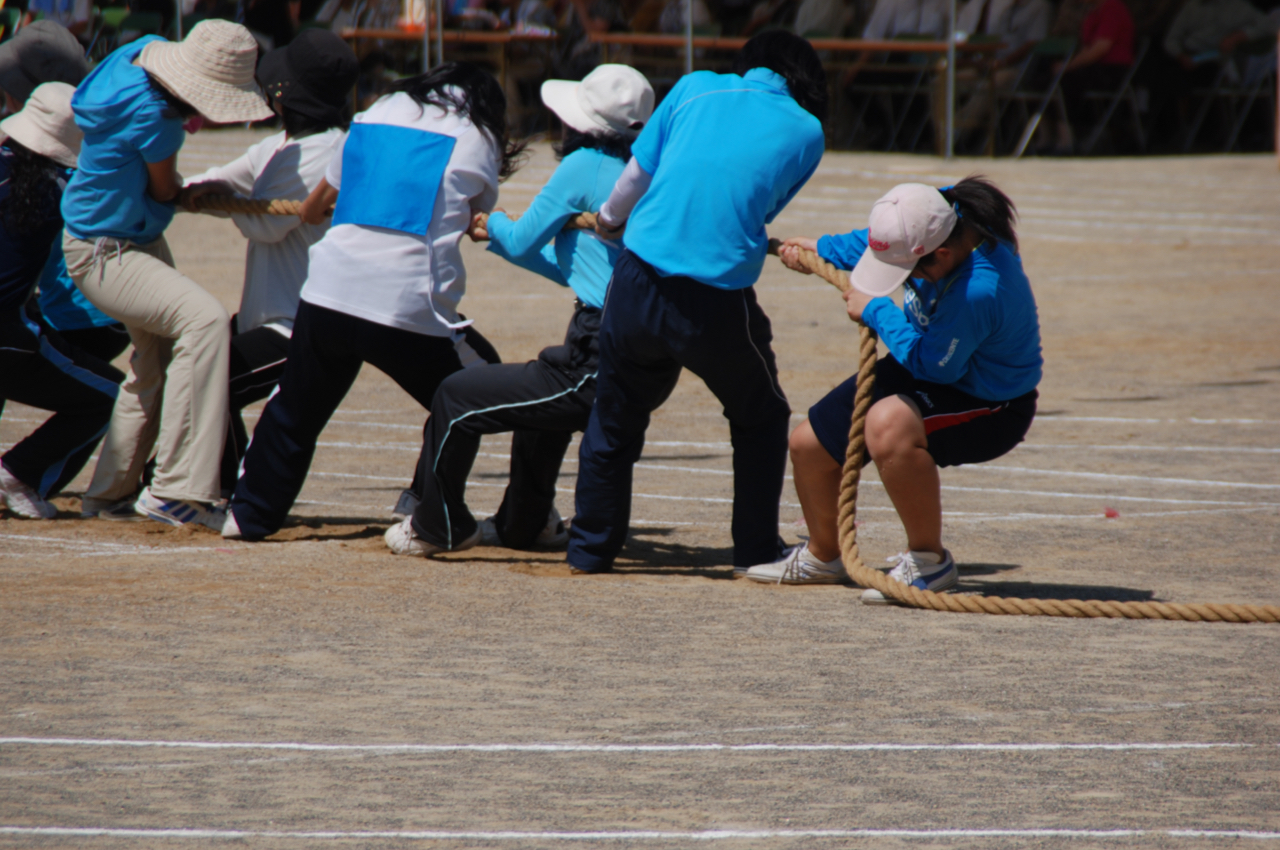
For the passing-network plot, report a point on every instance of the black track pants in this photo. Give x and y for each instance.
(543, 402)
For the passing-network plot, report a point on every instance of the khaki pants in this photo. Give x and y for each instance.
(175, 397)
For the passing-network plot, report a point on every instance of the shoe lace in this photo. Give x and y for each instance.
(904, 568)
(795, 567)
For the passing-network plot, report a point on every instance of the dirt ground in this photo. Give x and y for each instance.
(315, 690)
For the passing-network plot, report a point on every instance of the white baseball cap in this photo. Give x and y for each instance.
(616, 98)
(906, 224)
(45, 125)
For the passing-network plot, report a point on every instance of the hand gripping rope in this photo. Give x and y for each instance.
(916, 598)
(913, 597)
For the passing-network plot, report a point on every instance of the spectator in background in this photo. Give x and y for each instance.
(581, 55)
(276, 19)
(1208, 30)
(822, 18)
(1102, 58)
(72, 14)
(1019, 24)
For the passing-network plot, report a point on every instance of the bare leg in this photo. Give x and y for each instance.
(897, 441)
(817, 479)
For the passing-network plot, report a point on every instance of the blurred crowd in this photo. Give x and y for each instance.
(1171, 59)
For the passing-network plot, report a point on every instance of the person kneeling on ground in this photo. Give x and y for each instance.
(37, 367)
(959, 382)
(546, 400)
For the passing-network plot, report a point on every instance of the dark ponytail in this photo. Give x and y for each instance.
(792, 58)
(607, 142)
(984, 210)
(471, 93)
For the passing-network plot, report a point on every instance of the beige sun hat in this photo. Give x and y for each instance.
(46, 125)
(211, 69)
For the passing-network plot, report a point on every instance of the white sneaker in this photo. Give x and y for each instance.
(401, 540)
(178, 511)
(22, 500)
(553, 536)
(230, 528)
(799, 566)
(924, 570)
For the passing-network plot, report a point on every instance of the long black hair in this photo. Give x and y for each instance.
(983, 209)
(297, 125)
(33, 190)
(793, 59)
(177, 107)
(473, 94)
(606, 141)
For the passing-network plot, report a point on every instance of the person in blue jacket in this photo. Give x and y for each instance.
(723, 155)
(546, 400)
(957, 386)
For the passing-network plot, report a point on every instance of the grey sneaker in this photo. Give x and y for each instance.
(21, 499)
(401, 540)
(918, 569)
(799, 566)
(120, 510)
(553, 536)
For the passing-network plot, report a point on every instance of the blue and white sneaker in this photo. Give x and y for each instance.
(924, 570)
(179, 512)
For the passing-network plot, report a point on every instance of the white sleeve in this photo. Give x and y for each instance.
(333, 174)
(291, 178)
(630, 187)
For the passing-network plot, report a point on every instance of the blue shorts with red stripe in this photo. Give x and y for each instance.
(961, 428)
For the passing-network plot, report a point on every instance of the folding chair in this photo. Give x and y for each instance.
(1245, 76)
(1047, 52)
(1124, 92)
(915, 73)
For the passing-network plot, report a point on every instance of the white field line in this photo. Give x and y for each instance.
(1109, 476)
(100, 548)
(625, 748)
(635, 835)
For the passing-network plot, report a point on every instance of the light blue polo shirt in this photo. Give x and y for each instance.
(726, 153)
(127, 124)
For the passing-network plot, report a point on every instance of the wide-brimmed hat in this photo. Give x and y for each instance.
(313, 75)
(614, 98)
(908, 223)
(211, 69)
(40, 52)
(46, 124)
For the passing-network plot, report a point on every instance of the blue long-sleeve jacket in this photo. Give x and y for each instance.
(976, 330)
(573, 258)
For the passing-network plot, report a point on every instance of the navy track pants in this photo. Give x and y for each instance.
(653, 327)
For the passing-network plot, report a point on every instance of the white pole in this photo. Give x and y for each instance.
(688, 36)
(951, 82)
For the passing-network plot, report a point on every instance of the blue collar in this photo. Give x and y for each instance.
(769, 78)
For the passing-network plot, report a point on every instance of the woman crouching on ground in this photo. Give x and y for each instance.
(958, 385)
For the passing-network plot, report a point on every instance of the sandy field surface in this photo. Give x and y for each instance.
(165, 688)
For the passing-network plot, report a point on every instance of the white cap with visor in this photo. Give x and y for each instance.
(911, 221)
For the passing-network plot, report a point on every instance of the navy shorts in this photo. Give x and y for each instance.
(961, 428)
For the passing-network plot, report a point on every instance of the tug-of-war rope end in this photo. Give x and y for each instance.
(860, 573)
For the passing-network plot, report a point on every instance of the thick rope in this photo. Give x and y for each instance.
(917, 598)
(232, 204)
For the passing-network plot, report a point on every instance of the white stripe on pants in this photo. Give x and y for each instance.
(175, 397)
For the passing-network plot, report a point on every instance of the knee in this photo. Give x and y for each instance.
(893, 426)
(804, 446)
